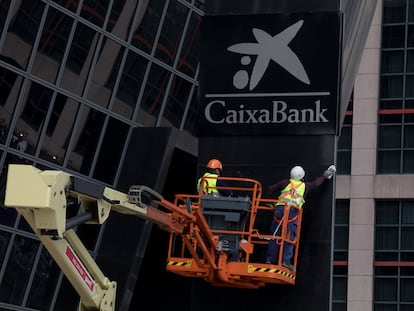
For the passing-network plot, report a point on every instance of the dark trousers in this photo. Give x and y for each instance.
(273, 246)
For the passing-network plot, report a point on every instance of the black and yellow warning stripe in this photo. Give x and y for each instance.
(187, 263)
(252, 269)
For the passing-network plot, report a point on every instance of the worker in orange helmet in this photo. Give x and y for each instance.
(209, 181)
(291, 191)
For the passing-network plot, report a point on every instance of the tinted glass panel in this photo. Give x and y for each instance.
(52, 44)
(130, 84)
(177, 100)
(379, 307)
(34, 113)
(394, 11)
(409, 136)
(389, 162)
(389, 137)
(4, 6)
(407, 289)
(68, 4)
(386, 238)
(190, 120)
(391, 86)
(87, 134)
(410, 61)
(391, 104)
(100, 91)
(392, 61)
(172, 29)
(341, 238)
(154, 94)
(410, 36)
(95, 11)
(7, 215)
(17, 273)
(339, 288)
(410, 10)
(409, 87)
(80, 48)
(111, 150)
(144, 36)
(343, 162)
(7, 81)
(44, 282)
(37, 105)
(393, 36)
(189, 54)
(407, 241)
(407, 210)
(345, 140)
(408, 161)
(4, 242)
(25, 25)
(387, 212)
(385, 289)
(115, 13)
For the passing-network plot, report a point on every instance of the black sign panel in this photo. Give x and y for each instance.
(271, 74)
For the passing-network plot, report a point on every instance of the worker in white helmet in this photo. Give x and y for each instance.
(291, 191)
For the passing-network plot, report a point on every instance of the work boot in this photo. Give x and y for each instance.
(288, 265)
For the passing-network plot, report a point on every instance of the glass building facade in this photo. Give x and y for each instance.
(77, 77)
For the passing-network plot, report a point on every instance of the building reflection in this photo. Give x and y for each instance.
(76, 77)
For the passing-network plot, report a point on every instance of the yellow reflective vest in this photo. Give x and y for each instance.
(293, 193)
(209, 183)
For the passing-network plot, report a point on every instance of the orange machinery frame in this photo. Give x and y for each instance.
(199, 251)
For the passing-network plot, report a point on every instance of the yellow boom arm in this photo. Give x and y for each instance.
(41, 197)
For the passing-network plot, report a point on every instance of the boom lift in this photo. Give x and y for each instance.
(213, 238)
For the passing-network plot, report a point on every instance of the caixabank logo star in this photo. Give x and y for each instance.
(268, 48)
(269, 75)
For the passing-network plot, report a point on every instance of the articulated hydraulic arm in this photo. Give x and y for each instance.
(42, 197)
(213, 238)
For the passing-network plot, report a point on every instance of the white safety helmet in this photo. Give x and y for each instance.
(297, 173)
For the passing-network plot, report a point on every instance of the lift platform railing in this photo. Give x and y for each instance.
(226, 237)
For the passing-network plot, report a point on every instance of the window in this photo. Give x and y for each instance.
(394, 255)
(81, 45)
(131, 79)
(7, 80)
(189, 54)
(396, 106)
(116, 10)
(95, 11)
(345, 143)
(16, 277)
(89, 137)
(396, 143)
(37, 104)
(4, 6)
(144, 36)
(26, 21)
(177, 100)
(60, 102)
(55, 34)
(340, 269)
(171, 32)
(155, 90)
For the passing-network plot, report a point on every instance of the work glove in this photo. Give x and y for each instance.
(329, 172)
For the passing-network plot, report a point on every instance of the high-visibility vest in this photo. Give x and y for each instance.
(209, 183)
(293, 193)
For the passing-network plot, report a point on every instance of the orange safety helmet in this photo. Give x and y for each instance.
(214, 163)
